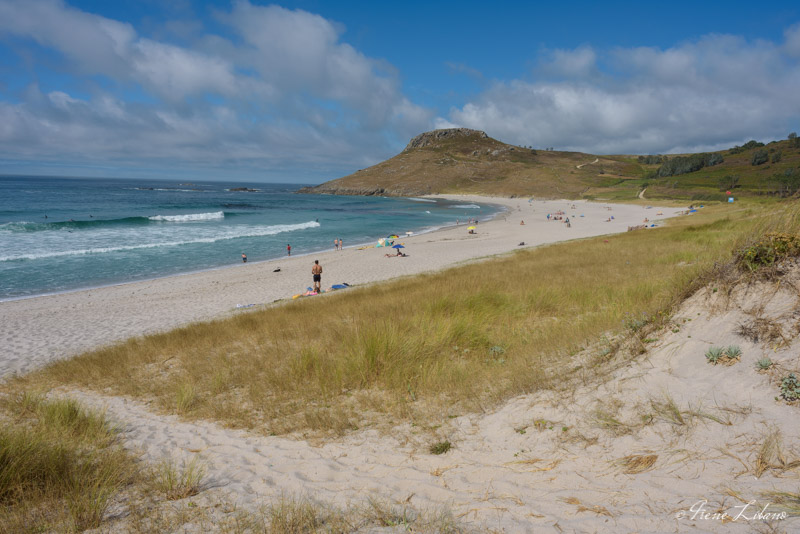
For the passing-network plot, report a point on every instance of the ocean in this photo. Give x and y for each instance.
(65, 234)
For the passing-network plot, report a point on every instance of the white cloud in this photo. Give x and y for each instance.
(792, 36)
(283, 88)
(94, 44)
(576, 63)
(701, 95)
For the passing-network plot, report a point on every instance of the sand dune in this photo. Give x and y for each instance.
(551, 461)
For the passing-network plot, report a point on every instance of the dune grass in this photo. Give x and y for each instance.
(59, 466)
(420, 347)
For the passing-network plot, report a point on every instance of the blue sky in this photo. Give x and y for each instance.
(308, 91)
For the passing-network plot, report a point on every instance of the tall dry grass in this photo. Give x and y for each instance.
(427, 346)
(59, 466)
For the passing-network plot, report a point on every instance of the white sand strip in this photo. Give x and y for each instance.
(38, 330)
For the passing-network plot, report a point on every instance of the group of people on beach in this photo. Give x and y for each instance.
(337, 244)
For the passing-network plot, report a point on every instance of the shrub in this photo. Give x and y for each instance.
(790, 388)
(651, 160)
(771, 248)
(759, 157)
(687, 164)
(747, 146)
(728, 182)
(776, 157)
(440, 448)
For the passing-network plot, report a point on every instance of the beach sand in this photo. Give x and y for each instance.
(38, 330)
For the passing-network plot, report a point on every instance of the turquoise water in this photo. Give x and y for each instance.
(62, 234)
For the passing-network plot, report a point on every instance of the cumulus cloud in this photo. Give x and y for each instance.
(280, 86)
(577, 63)
(702, 95)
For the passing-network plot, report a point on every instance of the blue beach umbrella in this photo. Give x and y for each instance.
(398, 246)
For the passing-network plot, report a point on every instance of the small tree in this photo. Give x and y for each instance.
(728, 183)
(776, 157)
(759, 157)
(794, 140)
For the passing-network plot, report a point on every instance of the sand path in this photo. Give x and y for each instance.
(38, 330)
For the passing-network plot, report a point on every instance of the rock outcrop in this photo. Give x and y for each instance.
(434, 136)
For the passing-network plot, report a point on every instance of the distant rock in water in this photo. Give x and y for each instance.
(434, 136)
(245, 189)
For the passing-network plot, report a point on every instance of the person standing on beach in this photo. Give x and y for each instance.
(335, 244)
(244, 257)
(340, 243)
(288, 250)
(316, 271)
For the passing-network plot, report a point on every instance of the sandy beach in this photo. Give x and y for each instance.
(688, 439)
(38, 330)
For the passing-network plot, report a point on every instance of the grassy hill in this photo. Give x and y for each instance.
(460, 160)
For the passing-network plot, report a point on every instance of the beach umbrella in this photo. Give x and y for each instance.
(392, 236)
(398, 246)
(470, 227)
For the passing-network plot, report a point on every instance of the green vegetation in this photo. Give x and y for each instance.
(759, 157)
(790, 388)
(714, 354)
(768, 250)
(179, 482)
(747, 146)
(685, 165)
(727, 355)
(59, 466)
(440, 448)
(764, 363)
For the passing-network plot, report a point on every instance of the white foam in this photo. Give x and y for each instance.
(234, 233)
(467, 206)
(189, 217)
(421, 200)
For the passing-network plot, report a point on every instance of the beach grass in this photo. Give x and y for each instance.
(418, 348)
(60, 465)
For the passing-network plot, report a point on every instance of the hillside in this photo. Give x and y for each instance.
(461, 160)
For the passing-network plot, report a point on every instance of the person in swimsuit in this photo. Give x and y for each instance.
(340, 243)
(244, 257)
(288, 250)
(335, 244)
(316, 271)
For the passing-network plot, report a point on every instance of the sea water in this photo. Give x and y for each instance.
(63, 234)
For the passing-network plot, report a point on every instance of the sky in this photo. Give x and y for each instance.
(310, 90)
